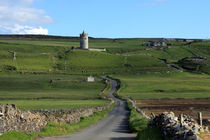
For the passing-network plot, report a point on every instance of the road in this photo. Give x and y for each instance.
(113, 127)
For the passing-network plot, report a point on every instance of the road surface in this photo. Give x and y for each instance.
(113, 127)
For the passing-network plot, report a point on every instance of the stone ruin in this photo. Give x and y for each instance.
(12, 118)
(177, 128)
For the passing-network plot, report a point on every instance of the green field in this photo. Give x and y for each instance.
(165, 86)
(54, 104)
(49, 74)
(44, 58)
(29, 91)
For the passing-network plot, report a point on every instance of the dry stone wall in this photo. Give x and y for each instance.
(11, 118)
(174, 128)
(141, 112)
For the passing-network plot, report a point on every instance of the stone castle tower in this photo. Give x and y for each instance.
(84, 40)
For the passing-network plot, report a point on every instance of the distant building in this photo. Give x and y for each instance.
(91, 79)
(158, 43)
(84, 40)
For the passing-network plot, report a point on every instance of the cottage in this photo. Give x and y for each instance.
(159, 43)
(91, 79)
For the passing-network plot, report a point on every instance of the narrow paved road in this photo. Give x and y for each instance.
(113, 127)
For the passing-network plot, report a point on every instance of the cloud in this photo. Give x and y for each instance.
(18, 16)
(20, 29)
(151, 3)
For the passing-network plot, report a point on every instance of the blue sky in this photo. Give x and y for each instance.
(107, 18)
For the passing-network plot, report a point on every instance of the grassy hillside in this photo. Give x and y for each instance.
(165, 86)
(49, 74)
(51, 53)
(55, 55)
(105, 63)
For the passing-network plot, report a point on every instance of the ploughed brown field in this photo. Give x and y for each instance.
(205, 136)
(189, 107)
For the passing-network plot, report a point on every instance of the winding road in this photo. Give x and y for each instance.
(113, 127)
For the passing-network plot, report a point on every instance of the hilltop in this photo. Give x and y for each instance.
(37, 53)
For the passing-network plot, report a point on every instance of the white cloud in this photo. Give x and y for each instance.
(20, 29)
(18, 16)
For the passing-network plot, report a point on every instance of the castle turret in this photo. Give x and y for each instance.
(84, 40)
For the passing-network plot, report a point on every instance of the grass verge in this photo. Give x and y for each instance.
(53, 129)
(107, 89)
(140, 124)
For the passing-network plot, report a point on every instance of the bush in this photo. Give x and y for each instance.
(60, 66)
(9, 68)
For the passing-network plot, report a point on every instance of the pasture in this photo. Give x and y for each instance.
(165, 86)
(47, 91)
(42, 71)
(186, 93)
(56, 56)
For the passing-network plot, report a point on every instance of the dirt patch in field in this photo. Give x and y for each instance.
(205, 136)
(189, 107)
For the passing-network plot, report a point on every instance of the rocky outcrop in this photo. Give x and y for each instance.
(11, 118)
(174, 128)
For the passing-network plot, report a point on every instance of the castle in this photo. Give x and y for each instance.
(84, 40)
(84, 43)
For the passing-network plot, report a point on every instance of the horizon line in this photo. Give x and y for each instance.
(105, 37)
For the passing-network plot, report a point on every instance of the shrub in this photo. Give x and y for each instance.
(9, 68)
(59, 66)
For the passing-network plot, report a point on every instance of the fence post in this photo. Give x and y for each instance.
(200, 118)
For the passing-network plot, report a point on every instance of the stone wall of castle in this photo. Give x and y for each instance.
(84, 40)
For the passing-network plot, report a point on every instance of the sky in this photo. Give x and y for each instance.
(107, 18)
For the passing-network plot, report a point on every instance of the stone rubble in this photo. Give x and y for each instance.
(174, 128)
